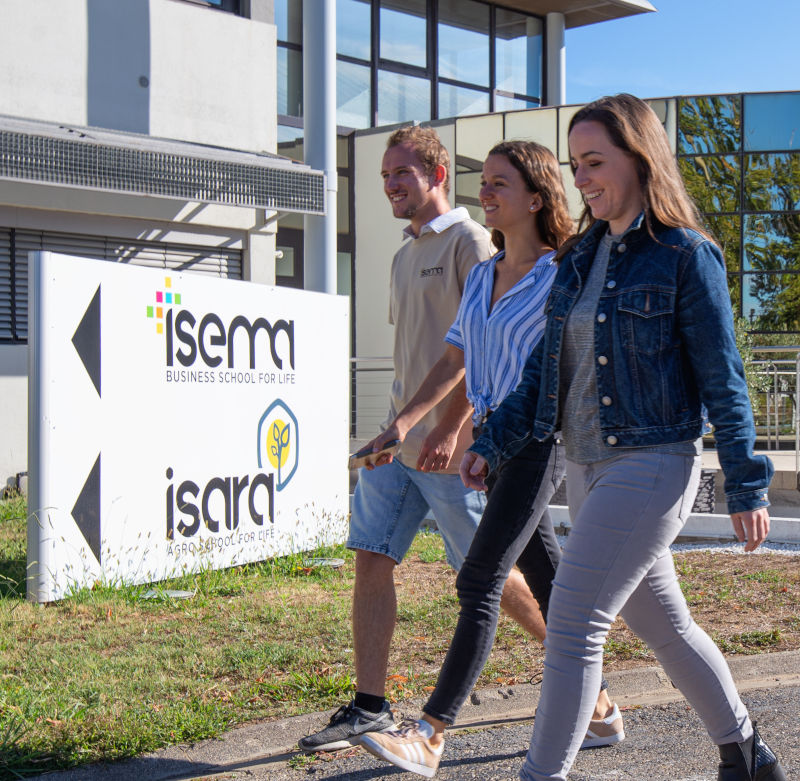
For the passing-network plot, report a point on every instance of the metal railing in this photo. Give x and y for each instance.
(777, 422)
(781, 418)
(370, 386)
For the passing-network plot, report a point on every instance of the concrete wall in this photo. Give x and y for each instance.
(13, 411)
(160, 67)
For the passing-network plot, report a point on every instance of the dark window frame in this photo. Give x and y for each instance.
(431, 71)
(740, 153)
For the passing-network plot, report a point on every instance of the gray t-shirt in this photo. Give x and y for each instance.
(578, 387)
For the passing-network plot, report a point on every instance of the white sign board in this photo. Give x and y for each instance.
(178, 423)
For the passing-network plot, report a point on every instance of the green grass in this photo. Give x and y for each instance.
(107, 674)
(753, 642)
(429, 548)
(630, 648)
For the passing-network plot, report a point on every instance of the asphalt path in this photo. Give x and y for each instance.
(663, 743)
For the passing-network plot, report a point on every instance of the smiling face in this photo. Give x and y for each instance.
(413, 193)
(505, 198)
(606, 176)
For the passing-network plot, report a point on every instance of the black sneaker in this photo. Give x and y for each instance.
(345, 728)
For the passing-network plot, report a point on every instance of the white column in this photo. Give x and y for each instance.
(556, 94)
(319, 122)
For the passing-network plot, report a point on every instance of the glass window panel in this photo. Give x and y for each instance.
(353, 28)
(773, 122)
(735, 290)
(565, 115)
(290, 82)
(709, 124)
(343, 266)
(666, 111)
(725, 229)
(457, 101)
(507, 103)
(342, 205)
(284, 266)
(404, 31)
(772, 242)
(540, 126)
(463, 42)
(518, 53)
(475, 136)
(468, 186)
(574, 198)
(713, 182)
(343, 151)
(771, 302)
(287, 136)
(352, 95)
(474, 211)
(289, 20)
(402, 98)
(772, 182)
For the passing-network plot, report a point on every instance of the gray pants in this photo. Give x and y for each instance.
(625, 511)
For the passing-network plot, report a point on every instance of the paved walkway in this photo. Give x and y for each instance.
(665, 741)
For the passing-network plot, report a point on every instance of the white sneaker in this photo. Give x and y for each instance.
(408, 747)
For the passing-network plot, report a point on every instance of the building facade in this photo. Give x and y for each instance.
(740, 159)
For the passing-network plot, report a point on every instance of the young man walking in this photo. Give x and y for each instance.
(391, 501)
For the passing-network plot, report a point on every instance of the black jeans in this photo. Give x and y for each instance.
(516, 528)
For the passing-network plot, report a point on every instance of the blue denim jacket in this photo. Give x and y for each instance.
(665, 350)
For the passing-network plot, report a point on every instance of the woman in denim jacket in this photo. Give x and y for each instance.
(639, 344)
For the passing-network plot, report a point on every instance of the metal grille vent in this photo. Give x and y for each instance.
(145, 172)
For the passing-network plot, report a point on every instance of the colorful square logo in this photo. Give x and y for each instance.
(163, 300)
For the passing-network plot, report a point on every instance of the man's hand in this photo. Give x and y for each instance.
(437, 449)
(392, 433)
(473, 471)
(752, 527)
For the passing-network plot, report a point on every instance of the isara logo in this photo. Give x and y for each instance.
(164, 299)
(278, 442)
(220, 504)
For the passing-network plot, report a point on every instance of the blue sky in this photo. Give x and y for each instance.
(689, 47)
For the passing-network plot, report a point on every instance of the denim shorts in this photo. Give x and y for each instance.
(391, 502)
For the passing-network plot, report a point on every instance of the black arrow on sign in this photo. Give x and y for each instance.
(86, 511)
(87, 340)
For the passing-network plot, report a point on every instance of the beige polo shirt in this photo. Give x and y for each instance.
(427, 279)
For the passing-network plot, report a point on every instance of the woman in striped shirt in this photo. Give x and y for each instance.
(500, 320)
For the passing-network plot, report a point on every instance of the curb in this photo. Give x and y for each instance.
(275, 741)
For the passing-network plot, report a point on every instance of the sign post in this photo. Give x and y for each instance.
(178, 423)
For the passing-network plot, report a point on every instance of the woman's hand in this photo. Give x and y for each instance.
(473, 471)
(752, 527)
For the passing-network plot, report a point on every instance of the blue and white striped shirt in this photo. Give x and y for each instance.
(496, 344)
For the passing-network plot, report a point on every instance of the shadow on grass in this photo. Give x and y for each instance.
(16, 763)
(28, 766)
(12, 579)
